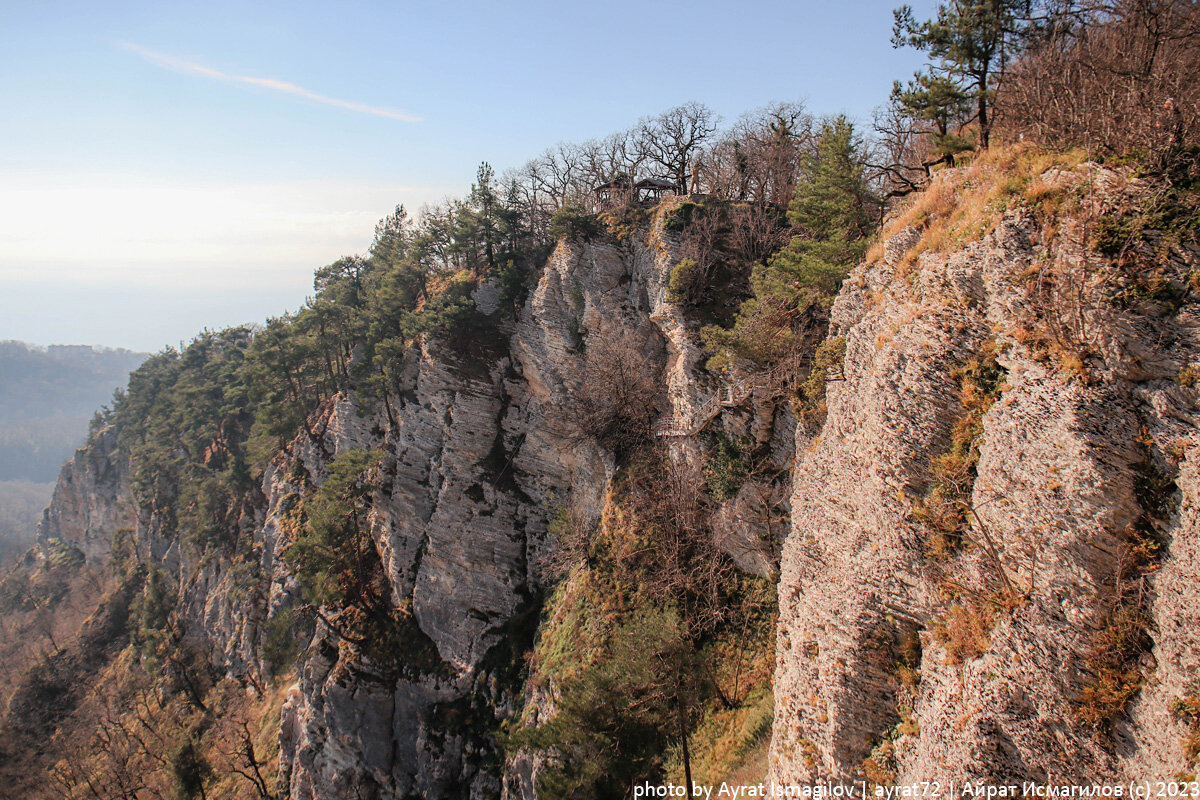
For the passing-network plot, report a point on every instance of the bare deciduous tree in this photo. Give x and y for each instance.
(674, 139)
(235, 745)
(1113, 76)
(901, 152)
(758, 159)
(616, 400)
(703, 243)
(757, 230)
(677, 558)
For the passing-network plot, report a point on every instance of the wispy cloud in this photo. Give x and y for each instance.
(192, 68)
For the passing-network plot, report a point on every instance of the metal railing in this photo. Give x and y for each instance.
(727, 396)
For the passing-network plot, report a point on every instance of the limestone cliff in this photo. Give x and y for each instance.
(991, 661)
(989, 571)
(478, 452)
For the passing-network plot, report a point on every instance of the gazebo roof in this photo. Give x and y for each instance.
(616, 183)
(656, 183)
(644, 183)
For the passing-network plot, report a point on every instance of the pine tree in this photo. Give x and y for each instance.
(393, 234)
(333, 558)
(618, 714)
(937, 100)
(831, 201)
(972, 42)
(834, 212)
(830, 207)
(483, 214)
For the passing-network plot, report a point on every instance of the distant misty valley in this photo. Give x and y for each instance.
(47, 397)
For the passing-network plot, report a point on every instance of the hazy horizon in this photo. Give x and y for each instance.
(170, 168)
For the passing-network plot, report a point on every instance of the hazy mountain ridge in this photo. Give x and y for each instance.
(47, 397)
(60, 380)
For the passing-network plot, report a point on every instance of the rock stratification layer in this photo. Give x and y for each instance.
(988, 662)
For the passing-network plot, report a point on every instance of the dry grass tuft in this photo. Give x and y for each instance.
(1187, 711)
(964, 204)
(965, 629)
(946, 505)
(1112, 662)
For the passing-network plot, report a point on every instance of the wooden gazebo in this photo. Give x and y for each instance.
(651, 190)
(622, 190)
(617, 192)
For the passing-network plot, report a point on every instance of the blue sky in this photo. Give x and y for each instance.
(171, 166)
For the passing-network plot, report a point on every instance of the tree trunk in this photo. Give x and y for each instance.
(985, 132)
(683, 741)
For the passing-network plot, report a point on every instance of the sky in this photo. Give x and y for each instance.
(167, 167)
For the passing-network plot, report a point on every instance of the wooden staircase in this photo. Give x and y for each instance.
(728, 396)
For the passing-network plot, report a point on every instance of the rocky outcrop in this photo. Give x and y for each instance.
(1064, 456)
(91, 499)
(478, 453)
(478, 459)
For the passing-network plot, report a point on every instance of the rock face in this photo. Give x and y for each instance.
(478, 454)
(1064, 458)
(91, 499)
(894, 663)
(478, 459)
(475, 462)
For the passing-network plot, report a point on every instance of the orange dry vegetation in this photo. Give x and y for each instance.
(127, 734)
(963, 204)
